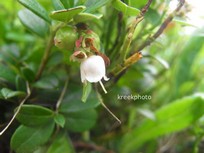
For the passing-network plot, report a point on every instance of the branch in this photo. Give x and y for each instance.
(102, 103)
(166, 22)
(128, 38)
(62, 95)
(18, 109)
(137, 54)
(47, 52)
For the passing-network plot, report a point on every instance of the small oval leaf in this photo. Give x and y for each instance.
(67, 14)
(80, 121)
(83, 17)
(27, 139)
(34, 115)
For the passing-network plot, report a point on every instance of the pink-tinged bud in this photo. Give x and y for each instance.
(93, 70)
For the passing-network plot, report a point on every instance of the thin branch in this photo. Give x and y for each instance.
(166, 22)
(18, 109)
(62, 95)
(128, 62)
(128, 38)
(47, 52)
(136, 56)
(102, 103)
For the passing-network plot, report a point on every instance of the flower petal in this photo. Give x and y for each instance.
(93, 68)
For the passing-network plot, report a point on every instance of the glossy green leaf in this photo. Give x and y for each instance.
(57, 4)
(59, 119)
(86, 91)
(93, 5)
(83, 17)
(36, 8)
(127, 10)
(28, 139)
(81, 120)
(61, 144)
(8, 93)
(34, 115)
(171, 118)
(67, 14)
(33, 22)
(72, 102)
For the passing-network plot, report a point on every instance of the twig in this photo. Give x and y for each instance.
(47, 52)
(128, 62)
(62, 95)
(18, 109)
(128, 38)
(137, 54)
(102, 103)
(166, 22)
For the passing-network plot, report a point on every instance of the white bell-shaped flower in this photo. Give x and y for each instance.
(93, 69)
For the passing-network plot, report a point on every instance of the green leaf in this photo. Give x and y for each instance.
(80, 121)
(6, 74)
(60, 120)
(183, 69)
(20, 83)
(36, 8)
(61, 144)
(86, 91)
(83, 17)
(72, 102)
(127, 10)
(34, 115)
(27, 139)
(48, 82)
(8, 93)
(93, 5)
(57, 4)
(33, 23)
(67, 14)
(173, 117)
(67, 3)
(28, 74)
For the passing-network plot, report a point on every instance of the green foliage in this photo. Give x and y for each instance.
(127, 10)
(36, 8)
(66, 15)
(60, 120)
(41, 87)
(33, 115)
(86, 91)
(33, 22)
(7, 93)
(169, 118)
(61, 144)
(28, 139)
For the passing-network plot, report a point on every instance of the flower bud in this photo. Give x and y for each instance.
(65, 38)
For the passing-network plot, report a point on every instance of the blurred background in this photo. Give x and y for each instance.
(166, 113)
